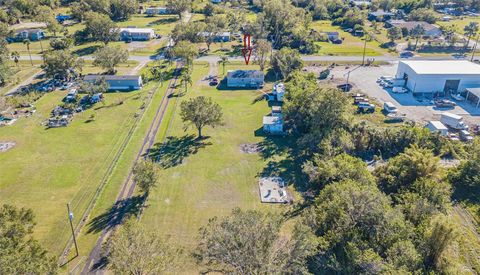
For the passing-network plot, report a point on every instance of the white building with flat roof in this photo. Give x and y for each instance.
(432, 76)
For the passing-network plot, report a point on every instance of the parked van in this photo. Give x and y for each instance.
(437, 127)
(389, 108)
(453, 121)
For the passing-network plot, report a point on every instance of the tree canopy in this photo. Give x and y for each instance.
(109, 57)
(201, 111)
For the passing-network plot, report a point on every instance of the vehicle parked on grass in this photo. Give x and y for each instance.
(453, 121)
(214, 82)
(389, 108)
(465, 136)
(365, 107)
(359, 100)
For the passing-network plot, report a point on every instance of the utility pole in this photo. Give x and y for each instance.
(70, 218)
(475, 47)
(364, 50)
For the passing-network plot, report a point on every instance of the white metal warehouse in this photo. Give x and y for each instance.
(442, 77)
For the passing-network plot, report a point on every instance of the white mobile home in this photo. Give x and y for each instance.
(430, 77)
(136, 34)
(245, 79)
(118, 82)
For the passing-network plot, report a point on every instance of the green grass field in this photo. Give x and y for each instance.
(203, 179)
(48, 168)
(351, 45)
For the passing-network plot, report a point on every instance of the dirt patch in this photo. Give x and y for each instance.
(250, 148)
(5, 146)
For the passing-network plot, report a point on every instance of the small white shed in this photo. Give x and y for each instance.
(279, 91)
(273, 125)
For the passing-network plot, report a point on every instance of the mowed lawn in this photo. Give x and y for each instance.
(351, 45)
(49, 168)
(203, 179)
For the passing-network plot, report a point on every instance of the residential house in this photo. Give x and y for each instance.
(151, 11)
(245, 79)
(217, 37)
(136, 34)
(118, 82)
(380, 16)
(30, 34)
(430, 30)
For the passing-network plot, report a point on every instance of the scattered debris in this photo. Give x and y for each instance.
(5, 146)
(273, 190)
(250, 148)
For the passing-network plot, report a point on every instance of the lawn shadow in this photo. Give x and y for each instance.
(283, 160)
(116, 214)
(163, 21)
(86, 51)
(174, 150)
(467, 194)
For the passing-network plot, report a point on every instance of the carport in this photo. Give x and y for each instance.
(476, 93)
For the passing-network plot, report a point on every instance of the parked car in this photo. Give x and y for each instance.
(389, 108)
(214, 82)
(406, 54)
(365, 107)
(444, 103)
(359, 100)
(466, 136)
(66, 86)
(399, 90)
(345, 87)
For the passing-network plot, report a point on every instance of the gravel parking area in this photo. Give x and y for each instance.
(420, 110)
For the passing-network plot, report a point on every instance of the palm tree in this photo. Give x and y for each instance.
(15, 56)
(470, 30)
(417, 33)
(26, 42)
(186, 79)
(224, 61)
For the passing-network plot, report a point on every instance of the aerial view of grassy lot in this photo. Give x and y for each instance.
(204, 178)
(38, 175)
(351, 45)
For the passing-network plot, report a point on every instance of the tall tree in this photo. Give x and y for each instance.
(100, 27)
(224, 61)
(393, 34)
(26, 42)
(179, 6)
(121, 10)
(286, 61)
(145, 175)
(20, 253)
(417, 32)
(136, 250)
(201, 111)
(109, 57)
(186, 50)
(470, 30)
(262, 49)
(250, 242)
(439, 237)
(61, 64)
(186, 78)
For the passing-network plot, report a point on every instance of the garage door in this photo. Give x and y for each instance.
(451, 86)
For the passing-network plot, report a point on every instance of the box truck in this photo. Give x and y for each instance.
(453, 121)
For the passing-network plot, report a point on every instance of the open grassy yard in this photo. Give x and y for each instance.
(207, 178)
(351, 45)
(459, 23)
(19, 73)
(48, 168)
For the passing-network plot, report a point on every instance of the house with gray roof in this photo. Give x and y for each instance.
(245, 79)
(118, 82)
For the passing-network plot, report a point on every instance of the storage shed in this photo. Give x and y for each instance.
(442, 77)
(273, 125)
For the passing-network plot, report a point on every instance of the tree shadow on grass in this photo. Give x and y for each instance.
(86, 51)
(116, 214)
(283, 160)
(174, 150)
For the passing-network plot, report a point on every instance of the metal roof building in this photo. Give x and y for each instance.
(118, 82)
(430, 76)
